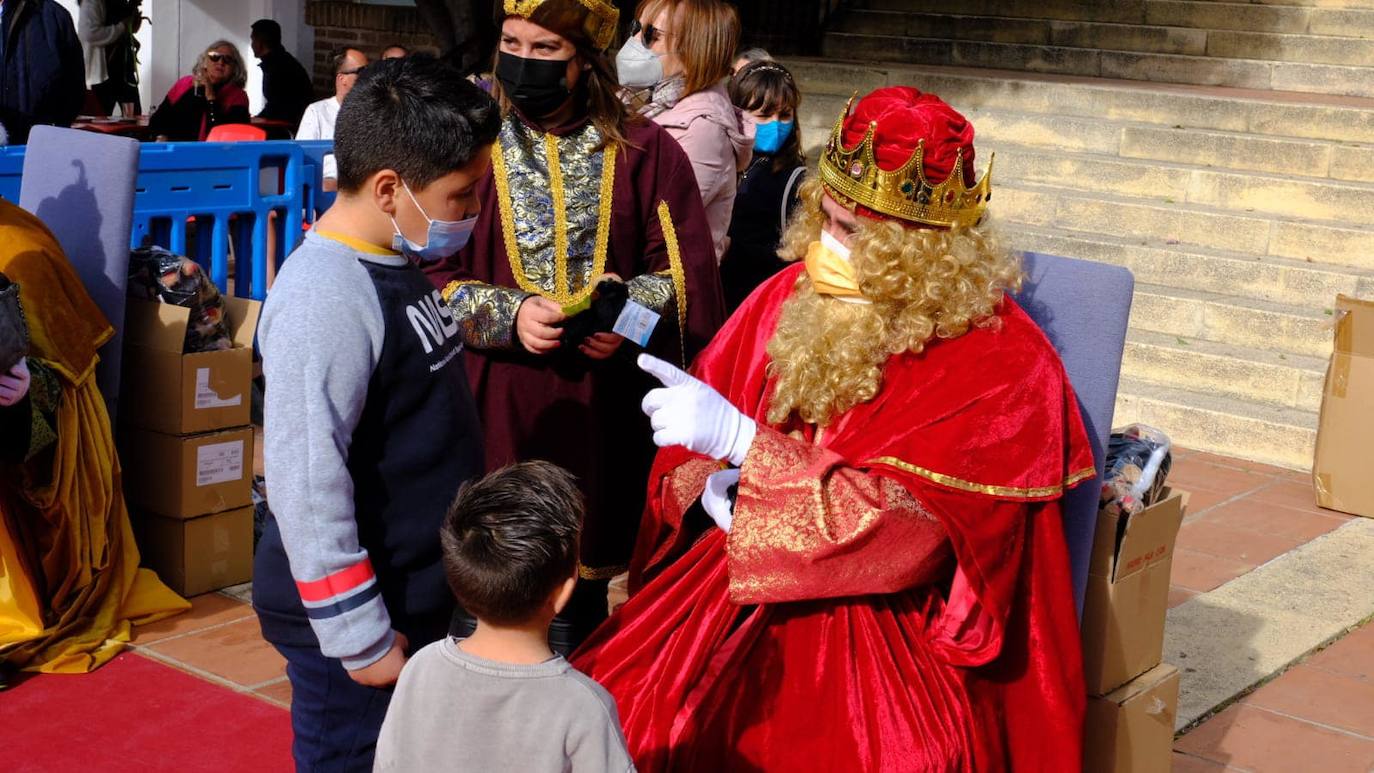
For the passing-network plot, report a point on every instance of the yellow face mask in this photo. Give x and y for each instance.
(827, 263)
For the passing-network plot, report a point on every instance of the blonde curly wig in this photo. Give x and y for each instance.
(828, 355)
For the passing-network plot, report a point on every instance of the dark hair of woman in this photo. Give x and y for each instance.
(769, 87)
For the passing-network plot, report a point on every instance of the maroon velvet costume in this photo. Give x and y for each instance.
(565, 407)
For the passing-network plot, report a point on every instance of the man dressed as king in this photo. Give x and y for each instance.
(852, 556)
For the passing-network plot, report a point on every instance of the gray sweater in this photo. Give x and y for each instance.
(455, 711)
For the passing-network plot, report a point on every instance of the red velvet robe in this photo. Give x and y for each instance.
(893, 596)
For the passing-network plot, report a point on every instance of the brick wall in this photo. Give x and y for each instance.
(367, 27)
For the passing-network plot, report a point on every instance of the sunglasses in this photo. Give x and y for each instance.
(650, 33)
(217, 57)
(350, 72)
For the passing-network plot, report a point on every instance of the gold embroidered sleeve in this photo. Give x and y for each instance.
(807, 526)
(653, 291)
(485, 313)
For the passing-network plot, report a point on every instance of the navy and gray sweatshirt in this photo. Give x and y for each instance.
(370, 429)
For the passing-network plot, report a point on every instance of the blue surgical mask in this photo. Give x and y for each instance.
(637, 66)
(771, 136)
(445, 237)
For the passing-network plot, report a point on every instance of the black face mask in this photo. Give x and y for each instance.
(536, 86)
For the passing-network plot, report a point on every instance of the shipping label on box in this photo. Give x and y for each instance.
(1340, 472)
(198, 555)
(165, 390)
(184, 476)
(1131, 730)
(1128, 593)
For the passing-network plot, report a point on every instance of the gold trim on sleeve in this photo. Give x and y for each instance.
(452, 287)
(665, 221)
(983, 488)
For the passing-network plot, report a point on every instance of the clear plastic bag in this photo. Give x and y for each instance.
(1138, 461)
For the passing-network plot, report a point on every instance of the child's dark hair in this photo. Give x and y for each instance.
(767, 85)
(510, 538)
(417, 116)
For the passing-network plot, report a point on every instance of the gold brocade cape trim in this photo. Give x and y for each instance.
(530, 211)
(1011, 492)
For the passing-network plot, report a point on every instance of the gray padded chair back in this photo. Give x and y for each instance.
(81, 185)
(1083, 308)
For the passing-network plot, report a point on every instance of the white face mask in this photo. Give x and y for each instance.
(637, 66)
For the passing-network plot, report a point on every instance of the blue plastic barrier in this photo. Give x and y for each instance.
(214, 183)
(317, 198)
(11, 170)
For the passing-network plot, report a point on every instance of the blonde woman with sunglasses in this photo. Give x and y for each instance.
(673, 69)
(210, 96)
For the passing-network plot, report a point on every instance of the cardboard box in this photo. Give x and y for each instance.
(1128, 593)
(184, 476)
(198, 555)
(1340, 472)
(1132, 729)
(178, 394)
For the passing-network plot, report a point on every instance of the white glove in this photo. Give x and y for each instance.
(715, 500)
(691, 414)
(15, 384)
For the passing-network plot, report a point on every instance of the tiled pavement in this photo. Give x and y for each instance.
(1318, 716)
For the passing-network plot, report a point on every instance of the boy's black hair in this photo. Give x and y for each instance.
(510, 538)
(417, 116)
(268, 32)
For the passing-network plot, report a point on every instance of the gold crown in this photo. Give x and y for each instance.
(601, 24)
(853, 174)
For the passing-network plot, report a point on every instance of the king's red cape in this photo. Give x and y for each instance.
(894, 593)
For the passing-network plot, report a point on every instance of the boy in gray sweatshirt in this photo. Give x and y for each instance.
(370, 425)
(501, 699)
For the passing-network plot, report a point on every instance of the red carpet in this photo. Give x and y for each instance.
(135, 714)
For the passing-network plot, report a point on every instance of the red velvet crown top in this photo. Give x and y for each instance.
(905, 116)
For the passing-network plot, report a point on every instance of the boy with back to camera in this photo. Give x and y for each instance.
(370, 425)
(501, 699)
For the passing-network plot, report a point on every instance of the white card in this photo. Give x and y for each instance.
(219, 463)
(209, 398)
(636, 323)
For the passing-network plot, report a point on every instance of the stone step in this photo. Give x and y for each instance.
(1067, 209)
(1127, 65)
(1278, 280)
(1352, 46)
(827, 84)
(1331, 201)
(1225, 319)
(1252, 375)
(1220, 425)
(1287, 157)
(1318, 17)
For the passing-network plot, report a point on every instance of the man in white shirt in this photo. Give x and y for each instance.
(318, 121)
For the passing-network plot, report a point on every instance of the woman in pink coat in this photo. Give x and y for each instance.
(673, 69)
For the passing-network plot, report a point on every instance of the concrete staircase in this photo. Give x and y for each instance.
(1242, 212)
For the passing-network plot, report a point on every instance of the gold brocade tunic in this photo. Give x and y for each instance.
(556, 196)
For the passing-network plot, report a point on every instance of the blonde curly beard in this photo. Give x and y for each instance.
(828, 355)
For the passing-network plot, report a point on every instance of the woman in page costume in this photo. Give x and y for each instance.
(578, 190)
(889, 588)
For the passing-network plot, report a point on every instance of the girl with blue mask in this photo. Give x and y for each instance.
(766, 93)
